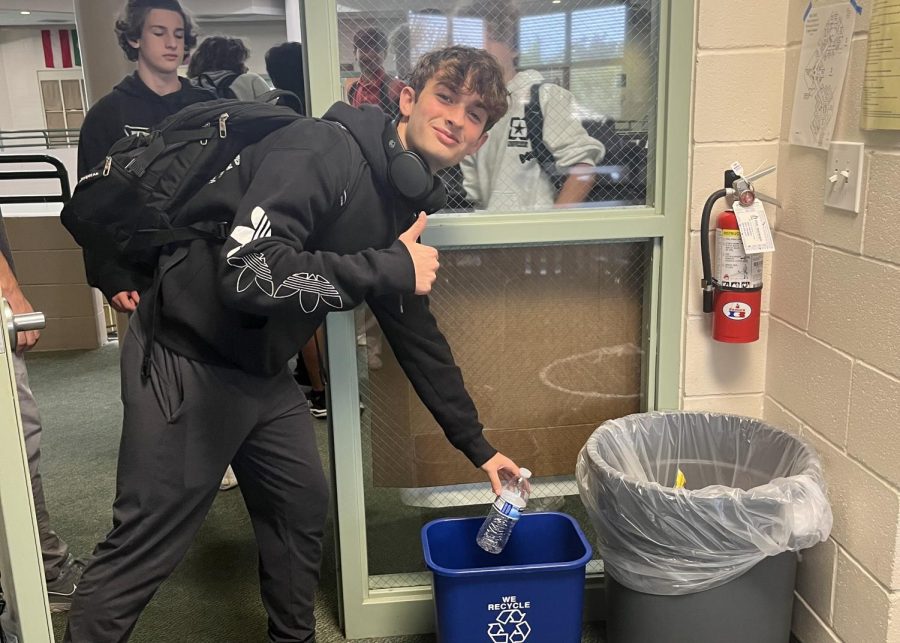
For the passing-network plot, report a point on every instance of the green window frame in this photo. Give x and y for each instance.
(375, 613)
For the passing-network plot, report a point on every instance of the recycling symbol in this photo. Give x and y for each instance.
(510, 626)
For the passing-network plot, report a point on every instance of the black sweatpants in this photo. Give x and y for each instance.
(182, 427)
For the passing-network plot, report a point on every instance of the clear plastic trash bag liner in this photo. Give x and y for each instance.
(752, 491)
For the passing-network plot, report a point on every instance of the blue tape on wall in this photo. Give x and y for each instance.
(853, 3)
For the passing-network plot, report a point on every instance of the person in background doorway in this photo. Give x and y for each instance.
(220, 64)
(284, 64)
(505, 174)
(158, 35)
(374, 86)
(61, 570)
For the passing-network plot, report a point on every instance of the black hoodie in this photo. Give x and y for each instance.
(130, 108)
(315, 228)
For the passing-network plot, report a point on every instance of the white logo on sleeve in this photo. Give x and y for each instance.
(254, 269)
(260, 230)
(312, 288)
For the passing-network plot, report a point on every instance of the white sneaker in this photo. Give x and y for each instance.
(229, 481)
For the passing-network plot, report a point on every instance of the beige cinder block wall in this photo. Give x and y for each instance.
(834, 360)
(735, 42)
(828, 360)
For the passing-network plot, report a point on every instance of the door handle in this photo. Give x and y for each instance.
(23, 322)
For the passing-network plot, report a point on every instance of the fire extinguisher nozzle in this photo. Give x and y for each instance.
(708, 300)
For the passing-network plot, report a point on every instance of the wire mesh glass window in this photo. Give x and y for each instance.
(582, 78)
(549, 340)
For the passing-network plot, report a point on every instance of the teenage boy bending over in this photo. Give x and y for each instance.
(230, 317)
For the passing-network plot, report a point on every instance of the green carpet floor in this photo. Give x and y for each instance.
(213, 597)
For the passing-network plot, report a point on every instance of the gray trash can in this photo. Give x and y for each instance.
(714, 560)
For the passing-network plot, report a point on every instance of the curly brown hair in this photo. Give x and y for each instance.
(130, 24)
(219, 53)
(465, 69)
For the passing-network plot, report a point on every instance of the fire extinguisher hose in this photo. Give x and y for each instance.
(707, 283)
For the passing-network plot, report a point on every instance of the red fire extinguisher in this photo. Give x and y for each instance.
(733, 293)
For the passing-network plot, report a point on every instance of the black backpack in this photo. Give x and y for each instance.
(129, 204)
(534, 124)
(621, 174)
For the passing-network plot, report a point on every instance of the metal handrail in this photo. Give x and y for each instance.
(59, 173)
(47, 137)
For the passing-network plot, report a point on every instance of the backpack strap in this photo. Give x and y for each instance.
(284, 97)
(154, 238)
(534, 124)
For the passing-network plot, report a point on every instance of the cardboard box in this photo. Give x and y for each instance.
(549, 341)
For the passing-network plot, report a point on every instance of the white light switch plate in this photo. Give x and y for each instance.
(844, 192)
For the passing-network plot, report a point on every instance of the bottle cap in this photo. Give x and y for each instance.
(524, 473)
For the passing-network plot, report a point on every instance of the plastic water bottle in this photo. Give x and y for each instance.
(504, 513)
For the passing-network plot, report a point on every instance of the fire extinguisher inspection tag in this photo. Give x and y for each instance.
(756, 234)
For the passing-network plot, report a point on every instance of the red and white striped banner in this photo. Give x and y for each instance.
(60, 48)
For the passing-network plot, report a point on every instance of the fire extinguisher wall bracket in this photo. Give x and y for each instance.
(708, 292)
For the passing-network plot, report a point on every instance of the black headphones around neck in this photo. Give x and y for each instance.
(407, 171)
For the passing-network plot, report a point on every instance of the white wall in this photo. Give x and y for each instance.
(5, 102)
(21, 56)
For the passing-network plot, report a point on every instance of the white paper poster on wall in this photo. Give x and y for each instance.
(820, 76)
(881, 90)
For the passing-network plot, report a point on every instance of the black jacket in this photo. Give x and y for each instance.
(130, 108)
(316, 226)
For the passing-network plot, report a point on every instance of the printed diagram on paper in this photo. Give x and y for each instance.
(820, 77)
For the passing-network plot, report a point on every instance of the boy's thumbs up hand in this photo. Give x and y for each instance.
(424, 258)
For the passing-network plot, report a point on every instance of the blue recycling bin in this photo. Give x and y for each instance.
(532, 592)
